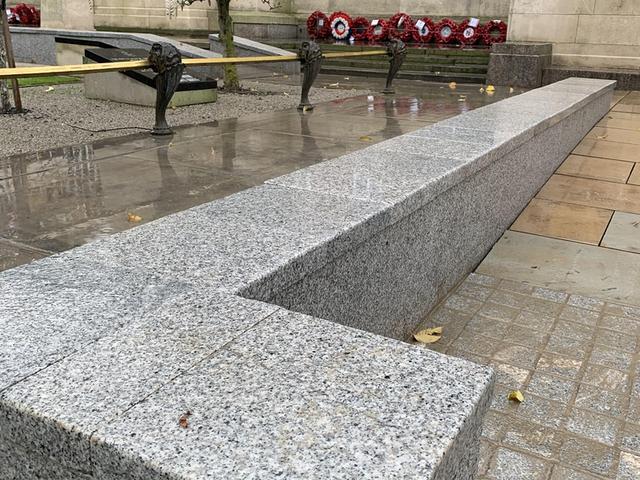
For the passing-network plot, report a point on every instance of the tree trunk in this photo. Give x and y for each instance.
(231, 80)
(5, 104)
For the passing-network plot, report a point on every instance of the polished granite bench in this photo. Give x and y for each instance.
(260, 335)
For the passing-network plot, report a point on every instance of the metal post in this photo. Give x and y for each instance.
(166, 61)
(11, 62)
(397, 51)
(311, 60)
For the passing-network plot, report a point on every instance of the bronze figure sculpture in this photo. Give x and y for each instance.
(397, 51)
(166, 61)
(311, 61)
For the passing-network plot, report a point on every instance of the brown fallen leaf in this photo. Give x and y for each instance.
(184, 420)
(429, 335)
(133, 218)
(453, 85)
(601, 137)
(516, 396)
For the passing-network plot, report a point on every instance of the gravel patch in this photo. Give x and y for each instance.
(47, 124)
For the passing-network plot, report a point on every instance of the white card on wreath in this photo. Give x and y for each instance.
(474, 22)
(420, 24)
(374, 22)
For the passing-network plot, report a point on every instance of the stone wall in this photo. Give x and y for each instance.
(151, 14)
(585, 33)
(73, 14)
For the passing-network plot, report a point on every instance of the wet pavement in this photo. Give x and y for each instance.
(555, 310)
(55, 200)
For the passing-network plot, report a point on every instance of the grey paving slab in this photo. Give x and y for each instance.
(623, 233)
(605, 273)
(54, 411)
(301, 397)
(13, 255)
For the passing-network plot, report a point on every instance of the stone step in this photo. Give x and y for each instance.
(407, 66)
(425, 49)
(407, 74)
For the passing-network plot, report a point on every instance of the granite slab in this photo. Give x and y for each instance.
(53, 412)
(50, 309)
(242, 238)
(299, 397)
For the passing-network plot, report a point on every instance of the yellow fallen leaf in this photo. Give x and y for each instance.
(433, 331)
(50, 89)
(133, 218)
(481, 90)
(429, 335)
(516, 396)
(491, 88)
(366, 138)
(453, 85)
(601, 137)
(511, 90)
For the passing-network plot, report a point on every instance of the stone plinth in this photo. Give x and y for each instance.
(519, 64)
(250, 48)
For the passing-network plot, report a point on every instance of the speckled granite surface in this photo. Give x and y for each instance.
(107, 346)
